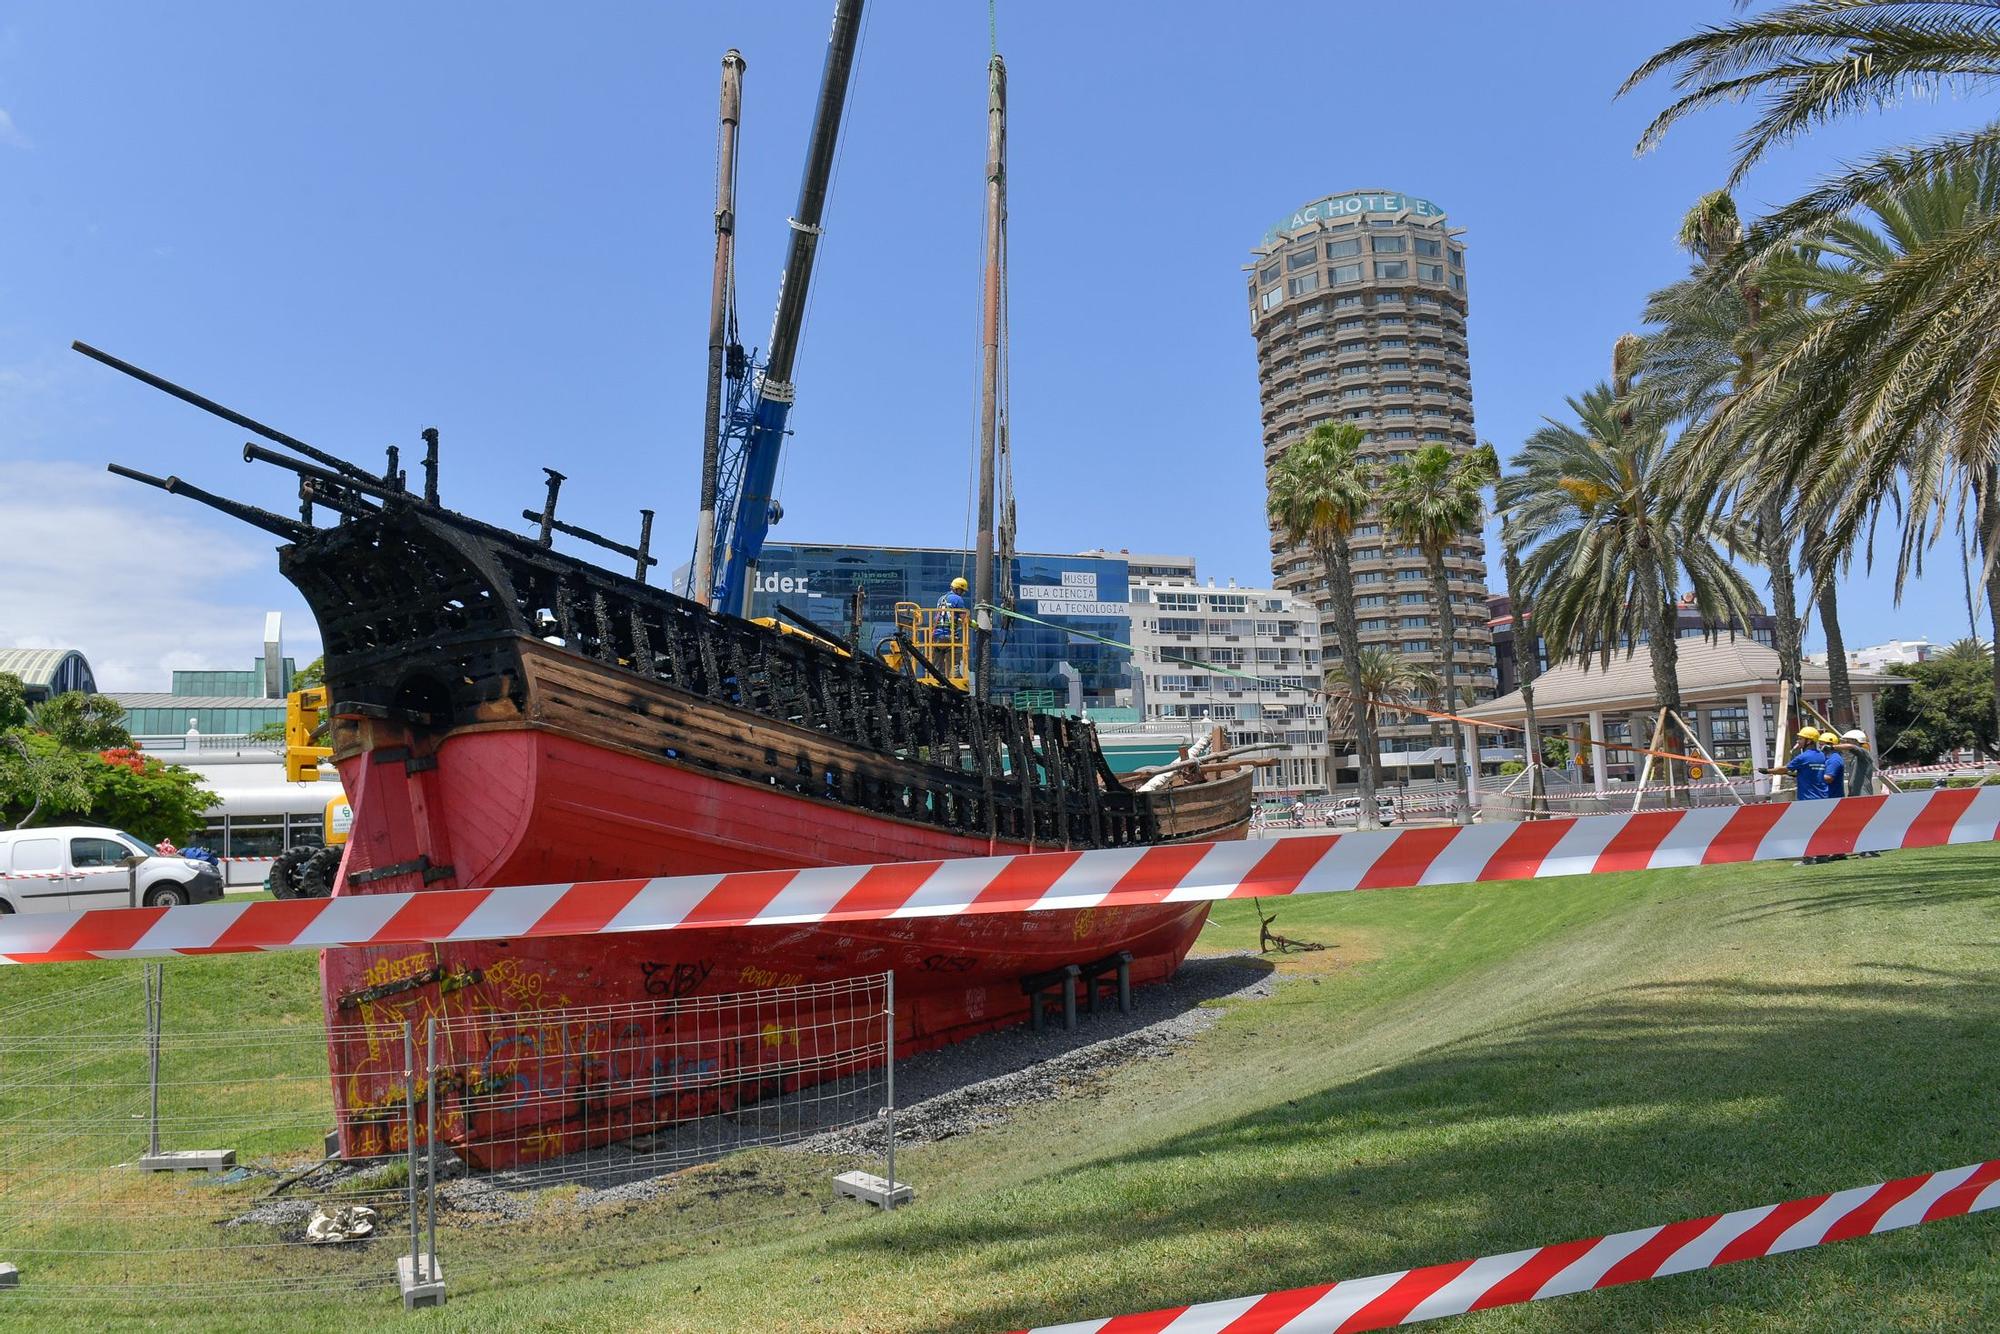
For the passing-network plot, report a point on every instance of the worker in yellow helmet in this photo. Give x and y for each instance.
(1807, 767)
(953, 613)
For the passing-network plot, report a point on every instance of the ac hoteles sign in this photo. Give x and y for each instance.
(1352, 204)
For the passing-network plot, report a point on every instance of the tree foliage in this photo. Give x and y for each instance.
(1890, 396)
(1948, 708)
(69, 760)
(1605, 544)
(155, 801)
(82, 722)
(1389, 682)
(13, 702)
(1811, 62)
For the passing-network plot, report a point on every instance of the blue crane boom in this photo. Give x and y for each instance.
(755, 433)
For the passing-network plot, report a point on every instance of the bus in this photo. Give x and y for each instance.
(250, 824)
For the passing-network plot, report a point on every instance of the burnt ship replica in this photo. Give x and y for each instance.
(504, 713)
(508, 714)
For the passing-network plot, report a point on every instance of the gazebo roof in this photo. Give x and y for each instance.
(1722, 669)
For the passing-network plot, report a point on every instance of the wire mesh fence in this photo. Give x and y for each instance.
(1513, 802)
(142, 1162)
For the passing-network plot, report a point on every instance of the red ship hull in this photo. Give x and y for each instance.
(526, 806)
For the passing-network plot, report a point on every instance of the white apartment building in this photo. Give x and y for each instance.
(1183, 629)
(1880, 657)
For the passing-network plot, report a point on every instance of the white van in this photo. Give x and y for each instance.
(73, 867)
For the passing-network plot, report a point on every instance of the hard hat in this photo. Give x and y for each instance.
(959, 585)
(1856, 735)
(1808, 734)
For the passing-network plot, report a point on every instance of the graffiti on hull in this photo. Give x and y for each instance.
(524, 1072)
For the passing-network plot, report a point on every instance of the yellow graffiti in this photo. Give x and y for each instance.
(543, 1142)
(370, 1081)
(522, 987)
(777, 1035)
(1084, 919)
(384, 971)
(753, 976)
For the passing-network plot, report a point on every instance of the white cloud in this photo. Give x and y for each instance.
(140, 582)
(10, 134)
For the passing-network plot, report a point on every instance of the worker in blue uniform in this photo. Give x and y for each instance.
(1835, 773)
(1808, 771)
(951, 614)
(1808, 767)
(1835, 776)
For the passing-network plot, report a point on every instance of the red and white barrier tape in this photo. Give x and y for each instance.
(1412, 1295)
(1028, 882)
(1981, 767)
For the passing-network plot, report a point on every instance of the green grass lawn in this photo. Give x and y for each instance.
(1469, 1070)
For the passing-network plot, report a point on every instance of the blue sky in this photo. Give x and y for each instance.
(357, 221)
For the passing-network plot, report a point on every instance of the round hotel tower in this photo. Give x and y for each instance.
(1357, 303)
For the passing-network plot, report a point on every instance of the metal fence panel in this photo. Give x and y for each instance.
(564, 1136)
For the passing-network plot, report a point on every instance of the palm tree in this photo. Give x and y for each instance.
(1871, 400)
(1710, 334)
(1390, 683)
(1605, 547)
(1319, 489)
(1431, 501)
(1917, 366)
(1817, 61)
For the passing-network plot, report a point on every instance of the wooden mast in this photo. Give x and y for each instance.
(989, 377)
(721, 300)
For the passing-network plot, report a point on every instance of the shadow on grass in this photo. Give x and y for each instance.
(1637, 1106)
(1881, 882)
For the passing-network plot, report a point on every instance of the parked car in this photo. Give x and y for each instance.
(1348, 811)
(73, 867)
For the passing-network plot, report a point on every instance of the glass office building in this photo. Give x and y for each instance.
(212, 702)
(1085, 593)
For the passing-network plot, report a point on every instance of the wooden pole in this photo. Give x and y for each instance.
(1703, 751)
(719, 297)
(1646, 772)
(989, 367)
(1778, 737)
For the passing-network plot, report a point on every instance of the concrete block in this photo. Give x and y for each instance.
(188, 1160)
(10, 1277)
(871, 1189)
(419, 1290)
